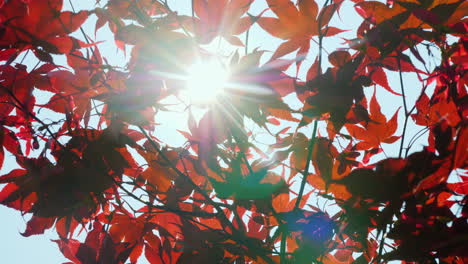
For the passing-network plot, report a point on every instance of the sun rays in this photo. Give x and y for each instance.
(206, 80)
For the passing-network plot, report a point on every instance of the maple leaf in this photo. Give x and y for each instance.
(430, 114)
(127, 228)
(267, 80)
(41, 24)
(98, 247)
(427, 220)
(116, 10)
(215, 200)
(332, 94)
(388, 181)
(297, 26)
(378, 131)
(259, 185)
(72, 186)
(413, 13)
(159, 174)
(9, 141)
(212, 129)
(220, 18)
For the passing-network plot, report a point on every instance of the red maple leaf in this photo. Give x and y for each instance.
(41, 24)
(297, 26)
(221, 18)
(378, 130)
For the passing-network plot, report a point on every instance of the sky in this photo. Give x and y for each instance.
(40, 250)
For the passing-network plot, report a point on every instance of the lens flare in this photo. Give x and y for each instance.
(206, 81)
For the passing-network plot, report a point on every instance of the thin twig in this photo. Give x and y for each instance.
(405, 107)
(236, 235)
(33, 116)
(307, 166)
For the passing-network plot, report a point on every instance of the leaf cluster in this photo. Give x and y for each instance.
(90, 155)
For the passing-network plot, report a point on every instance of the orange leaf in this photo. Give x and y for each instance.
(280, 203)
(376, 131)
(291, 22)
(316, 181)
(220, 18)
(274, 27)
(308, 8)
(379, 77)
(286, 48)
(327, 13)
(157, 178)
(285, 10)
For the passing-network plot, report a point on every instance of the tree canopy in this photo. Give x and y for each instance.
(284, 164)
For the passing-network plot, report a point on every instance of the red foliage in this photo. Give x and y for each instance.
(94, 159)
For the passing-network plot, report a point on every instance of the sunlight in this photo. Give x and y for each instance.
(206, 81)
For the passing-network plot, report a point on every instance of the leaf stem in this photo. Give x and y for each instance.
(283, 247)
(247, 41)
(382, 243)
(178, 172)
(320, 36)
(301, 190)
(160, 207)
(307, 166)
(236, 235)
(242, 153)
(405, 107)
(193, 10)
(33, 116)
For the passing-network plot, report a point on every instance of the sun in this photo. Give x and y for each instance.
(206, 80)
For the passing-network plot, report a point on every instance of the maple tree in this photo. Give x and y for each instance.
(95, 165)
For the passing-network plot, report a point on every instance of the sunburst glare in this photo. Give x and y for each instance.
(206, 80)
